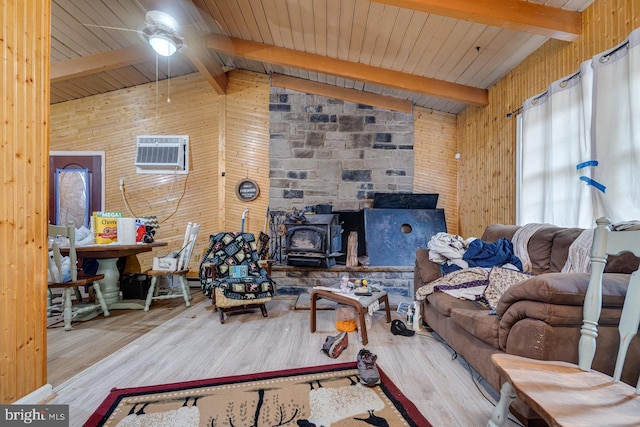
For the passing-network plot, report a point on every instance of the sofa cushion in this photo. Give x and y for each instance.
(551, 314)
(539, 249)
(444, 303)
(625, 263)
(562, 240)
(425, 270)
(478, 323)
(496, 231)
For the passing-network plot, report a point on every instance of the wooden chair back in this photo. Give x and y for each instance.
(182, 268)
(605, 243)
(190, 236)
(66, 236)
(68, 233)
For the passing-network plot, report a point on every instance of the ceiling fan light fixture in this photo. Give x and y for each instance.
(162, 44)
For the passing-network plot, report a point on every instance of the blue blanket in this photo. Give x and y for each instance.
(484, 254)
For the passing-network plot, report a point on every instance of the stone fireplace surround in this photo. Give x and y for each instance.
(329, 151)
(324, 150)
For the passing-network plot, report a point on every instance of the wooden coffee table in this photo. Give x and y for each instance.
(361, 305)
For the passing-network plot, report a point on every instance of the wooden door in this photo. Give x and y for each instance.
(93, 162)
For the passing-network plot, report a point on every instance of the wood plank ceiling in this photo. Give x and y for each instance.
(439, 54)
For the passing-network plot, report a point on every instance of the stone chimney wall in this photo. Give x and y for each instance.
(328, 151)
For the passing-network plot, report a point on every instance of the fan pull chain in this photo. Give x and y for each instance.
(168, 80)
(156, 86)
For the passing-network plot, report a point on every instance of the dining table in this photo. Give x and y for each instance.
(107, 256)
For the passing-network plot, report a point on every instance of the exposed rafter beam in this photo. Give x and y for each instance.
(210, 69)
(350, 70)
(513, 14)
(100, 62)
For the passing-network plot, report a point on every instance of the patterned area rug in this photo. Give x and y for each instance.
(316, 396)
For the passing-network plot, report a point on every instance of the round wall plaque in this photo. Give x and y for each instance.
(247, 190)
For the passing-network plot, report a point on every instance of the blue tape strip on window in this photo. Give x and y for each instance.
(586, 164)
(596, 184)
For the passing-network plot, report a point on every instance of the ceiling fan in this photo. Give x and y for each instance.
(160, 31)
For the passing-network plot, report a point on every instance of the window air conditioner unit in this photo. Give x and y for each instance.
(162, 154)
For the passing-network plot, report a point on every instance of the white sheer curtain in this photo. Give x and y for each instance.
(616, 131)
(579, 145)
(554, 141)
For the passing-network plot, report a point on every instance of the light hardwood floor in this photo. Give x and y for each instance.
(173, 343)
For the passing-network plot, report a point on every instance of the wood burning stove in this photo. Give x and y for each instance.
(314, 240)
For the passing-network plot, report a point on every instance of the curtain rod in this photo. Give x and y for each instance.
(516, 111)
(562, 84)
(605, 57)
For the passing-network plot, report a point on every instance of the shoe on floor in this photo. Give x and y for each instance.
(366, 363)
(399, 328)
(333, 346)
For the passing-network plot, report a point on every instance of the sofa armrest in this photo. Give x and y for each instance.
(425, 270)
(564, 289)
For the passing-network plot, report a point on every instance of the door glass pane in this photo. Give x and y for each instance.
(72, 195)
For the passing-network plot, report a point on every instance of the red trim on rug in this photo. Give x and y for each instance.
(406, 406)
(390, 389)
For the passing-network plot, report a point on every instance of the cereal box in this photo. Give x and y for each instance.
(106, 226)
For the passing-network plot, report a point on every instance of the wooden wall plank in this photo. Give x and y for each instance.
(111, 122)
(435, 145)
(24, 113)
(486, 137)
(247, 148)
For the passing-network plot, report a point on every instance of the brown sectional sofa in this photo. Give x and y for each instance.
(539, 317)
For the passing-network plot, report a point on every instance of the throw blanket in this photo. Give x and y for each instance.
(467, 283)
(475, 284)
(448, 249)
(484, 254)
(454, 253)
(579, 256)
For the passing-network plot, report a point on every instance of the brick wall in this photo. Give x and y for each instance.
(324, 150)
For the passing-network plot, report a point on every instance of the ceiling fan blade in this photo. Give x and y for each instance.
(112, 28)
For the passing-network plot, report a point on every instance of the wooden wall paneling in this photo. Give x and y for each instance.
(221, 222)
(247, 148)
(24, 85)
(486, 137)
(111, 122)
(435, 166)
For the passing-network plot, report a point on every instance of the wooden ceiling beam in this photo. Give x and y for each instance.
(350, 70)
(516, 15)
(100, 62)
(208, 67)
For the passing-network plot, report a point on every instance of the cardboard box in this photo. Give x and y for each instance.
(105, 226)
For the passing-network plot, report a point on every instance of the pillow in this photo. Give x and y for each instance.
(500, 279)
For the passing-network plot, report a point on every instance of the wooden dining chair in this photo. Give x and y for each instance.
(182, 268)
(565, 394)
(67, 306)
